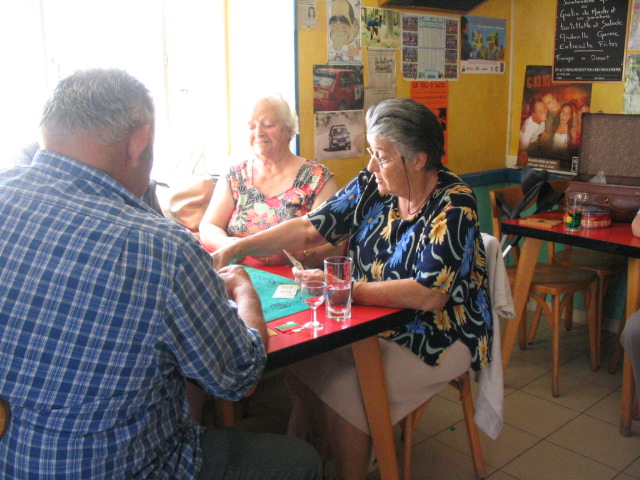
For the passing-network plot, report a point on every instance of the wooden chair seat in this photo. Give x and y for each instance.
(602, 263)
(606, 266)
(556, 280)
(561, 283)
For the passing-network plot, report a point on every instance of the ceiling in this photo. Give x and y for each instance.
(457, 6)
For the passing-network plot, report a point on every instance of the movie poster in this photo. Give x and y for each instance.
(551, 120)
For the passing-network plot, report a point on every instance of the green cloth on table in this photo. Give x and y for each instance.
(265, 284)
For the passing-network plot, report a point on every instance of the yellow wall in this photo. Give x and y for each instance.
(478, 117)
(534, 45)
(478, 104)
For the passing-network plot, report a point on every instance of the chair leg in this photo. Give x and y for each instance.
(617, 355)
(568, 313)
(594, 331)
(555, 343)
(600, 289)
(408, 439)
(466, 398)
(408, 425)
(534, 324)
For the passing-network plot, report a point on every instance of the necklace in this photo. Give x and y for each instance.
(419, 206)
(430, 190)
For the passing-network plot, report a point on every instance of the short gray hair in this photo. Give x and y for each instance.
(109, 103)
(409, 126)
(286, 113)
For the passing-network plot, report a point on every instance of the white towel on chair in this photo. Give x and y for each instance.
(488, 409)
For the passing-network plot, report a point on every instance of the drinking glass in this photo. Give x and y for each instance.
(337, 275)
(312, 292)
(574, 202)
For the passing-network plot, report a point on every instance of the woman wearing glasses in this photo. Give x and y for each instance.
(415, 241)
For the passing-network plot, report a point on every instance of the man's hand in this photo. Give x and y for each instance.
(241, 290)
(236, 279)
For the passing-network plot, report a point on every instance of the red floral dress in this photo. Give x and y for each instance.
(254, 212)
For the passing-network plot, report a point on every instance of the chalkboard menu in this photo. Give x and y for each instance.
(590, 40)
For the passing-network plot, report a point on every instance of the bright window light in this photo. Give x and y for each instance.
(199, 58)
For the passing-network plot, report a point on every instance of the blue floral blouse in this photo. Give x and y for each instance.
(440, 247)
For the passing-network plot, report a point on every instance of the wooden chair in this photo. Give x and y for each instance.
(463, 385)
(554, 280)
(5, 414)
(606, 266)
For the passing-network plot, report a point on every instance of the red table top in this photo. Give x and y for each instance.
(618, 238)
(366, 320)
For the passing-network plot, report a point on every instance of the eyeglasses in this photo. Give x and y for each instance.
(381, 163)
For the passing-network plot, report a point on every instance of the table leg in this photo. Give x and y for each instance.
(526, 266)
(368, 359)
(628, 387)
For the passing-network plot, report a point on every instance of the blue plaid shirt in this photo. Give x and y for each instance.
(105, 308)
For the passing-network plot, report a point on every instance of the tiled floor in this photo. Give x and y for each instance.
(574, 436)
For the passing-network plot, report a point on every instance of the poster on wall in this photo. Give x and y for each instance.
(590, 40)
(307, 13)
(634, 31)
(434, 96)
(382, 68)
(337, 87)
(343, 28)
(373, 96)
(632, 86)
(379, 28)
(482, 44)
(339, 134)
(429, 47)
(551, 120)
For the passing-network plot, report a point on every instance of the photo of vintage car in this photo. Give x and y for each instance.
(337, 89)
(339, 138)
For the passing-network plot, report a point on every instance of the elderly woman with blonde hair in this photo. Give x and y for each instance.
(272, 186)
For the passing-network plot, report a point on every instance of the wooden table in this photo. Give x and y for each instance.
(361, 333)
(617, 239)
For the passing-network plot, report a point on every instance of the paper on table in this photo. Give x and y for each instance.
(295, 262)
(266, 284)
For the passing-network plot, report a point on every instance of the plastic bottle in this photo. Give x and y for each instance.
(599, 178)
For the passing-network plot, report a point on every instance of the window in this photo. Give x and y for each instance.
(199, 58)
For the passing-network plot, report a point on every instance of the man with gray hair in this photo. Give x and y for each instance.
(108, 307)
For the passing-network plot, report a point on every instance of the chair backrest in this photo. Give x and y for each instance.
(512, 196)
(5, 413)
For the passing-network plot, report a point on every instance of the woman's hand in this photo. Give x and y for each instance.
(276, 259)
(225, 256)
(306, 275)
